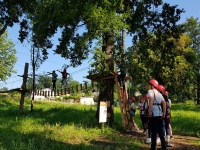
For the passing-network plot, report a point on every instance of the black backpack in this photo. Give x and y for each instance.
(145, 109)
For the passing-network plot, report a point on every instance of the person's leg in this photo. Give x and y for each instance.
(161, 133)
(171, 133)
(143, 123)
(123, 76)
(167, 129)
(153, 124)
(54, 83)
(119, 79)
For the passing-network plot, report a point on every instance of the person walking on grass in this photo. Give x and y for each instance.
(157, 110)
(169, 105)
(142, 116)
(132, 111)
(166, 128)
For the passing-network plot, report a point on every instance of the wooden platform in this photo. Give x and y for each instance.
(97, 77)
(16, 89)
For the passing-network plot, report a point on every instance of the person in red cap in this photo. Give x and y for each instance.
(142, 116)
(169, 107)
(157, 110)
(132, 111)
(166, 127)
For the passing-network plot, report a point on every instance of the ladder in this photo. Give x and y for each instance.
(124, 105)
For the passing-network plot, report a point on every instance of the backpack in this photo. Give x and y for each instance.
(64, 74)
(145, 109)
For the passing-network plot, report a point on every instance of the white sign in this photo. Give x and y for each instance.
(103, 112)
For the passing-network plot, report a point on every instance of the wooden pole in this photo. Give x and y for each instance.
(25, 76)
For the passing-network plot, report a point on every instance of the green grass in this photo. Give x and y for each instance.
(55, 125)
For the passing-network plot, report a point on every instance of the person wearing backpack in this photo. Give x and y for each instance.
(54, 78)
(157, 110)
(169, 101)
(166, 128)
(142, 117)
(146, 116)
(132, 111)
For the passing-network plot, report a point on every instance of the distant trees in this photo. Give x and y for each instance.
(7, 56)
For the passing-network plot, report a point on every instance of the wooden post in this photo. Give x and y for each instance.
(65, 91)
(77, 88)
(25, 76)
(68, 90)
(92, 84)
(81, 87)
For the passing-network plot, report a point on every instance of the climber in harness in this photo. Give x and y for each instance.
(64, 76)
(122, 76)
(157, 110)
(54, 78)
(166, 127)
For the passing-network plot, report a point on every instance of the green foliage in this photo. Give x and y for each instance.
(70, 97)
(7, 57)
(17, 96)
(47, 127)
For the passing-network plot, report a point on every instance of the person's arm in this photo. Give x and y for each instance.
(164, 107)
(150, 106)
(169, 103)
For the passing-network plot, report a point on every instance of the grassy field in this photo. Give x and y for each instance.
(61, 126)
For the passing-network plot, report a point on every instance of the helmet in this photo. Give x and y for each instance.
(133, 99)
(166, 93)
(161, 88)
(118, 60)
(154, 83)
(145, 97)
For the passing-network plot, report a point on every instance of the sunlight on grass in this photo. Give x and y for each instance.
(55, 125)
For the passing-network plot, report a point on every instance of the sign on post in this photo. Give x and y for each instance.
(102, 112)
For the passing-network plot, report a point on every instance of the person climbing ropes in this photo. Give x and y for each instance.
(156, 111)
(166, 127)
(64, 76)
(54, 78)
(122, 76)
(132, 111)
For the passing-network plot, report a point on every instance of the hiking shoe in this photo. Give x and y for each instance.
(148, 140)
(145, 133)
(158, 140)
(169, 144)
(135, 130)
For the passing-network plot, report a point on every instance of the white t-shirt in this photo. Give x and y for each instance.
(133, 105)
(140, 107)
(157, 99)
(169, 101)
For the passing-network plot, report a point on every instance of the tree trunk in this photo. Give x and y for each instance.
(107, 94)
(198, 90)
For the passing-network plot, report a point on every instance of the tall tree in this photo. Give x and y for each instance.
(12, 12)
(192, 29)
(7, 57)
(100, 22)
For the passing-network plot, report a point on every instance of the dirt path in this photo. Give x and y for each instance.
(180, 142)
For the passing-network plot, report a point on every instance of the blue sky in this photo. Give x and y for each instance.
(55, 62)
